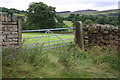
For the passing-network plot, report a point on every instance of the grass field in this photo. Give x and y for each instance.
(68, 23)
(49, 40)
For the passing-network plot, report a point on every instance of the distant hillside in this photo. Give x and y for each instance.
(64, 12)
(89, 10)
(112, 12)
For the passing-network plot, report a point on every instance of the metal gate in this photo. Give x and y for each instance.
(47, 38)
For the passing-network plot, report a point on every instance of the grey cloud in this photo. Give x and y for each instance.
(104, 4)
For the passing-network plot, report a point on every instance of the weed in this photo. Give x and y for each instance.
(65, 62)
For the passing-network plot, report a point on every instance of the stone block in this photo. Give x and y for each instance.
(0, 37)
(0, 43)
(14, 33)
(12, 36)
(0, 32)
(1, 40)
(15, 29)
(12, 29)
(9, 43)
(10, 40)
(4, 28)
(3, 37)
(5, 33)
(15, 40)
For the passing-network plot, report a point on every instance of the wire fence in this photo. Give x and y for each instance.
(47, 38)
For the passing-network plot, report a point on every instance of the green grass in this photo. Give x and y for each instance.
(44, 39)
(65, 62)
(19, 14)
(68, 23)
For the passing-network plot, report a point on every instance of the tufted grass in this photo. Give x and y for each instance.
(65, 62)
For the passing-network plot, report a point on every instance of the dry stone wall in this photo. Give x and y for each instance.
(102, 35)
(11, 32)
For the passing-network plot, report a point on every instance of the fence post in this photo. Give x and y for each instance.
(79, 37)
(19, 31)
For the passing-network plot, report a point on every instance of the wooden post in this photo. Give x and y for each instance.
(79, 37)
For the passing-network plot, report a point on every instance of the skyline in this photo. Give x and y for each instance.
(64, 5)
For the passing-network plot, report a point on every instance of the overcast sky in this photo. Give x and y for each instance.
(64, 5)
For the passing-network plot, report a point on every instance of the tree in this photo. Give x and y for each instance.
(40, 15)
(114, 23)
(101, 20)
(71, 17)
(88, 21)
(59, 22)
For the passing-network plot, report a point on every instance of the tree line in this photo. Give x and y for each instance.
(94, 19)
(11, 10)
(41, 16)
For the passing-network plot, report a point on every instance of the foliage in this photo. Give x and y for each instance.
(40, 16)
(59, 22)
(65, 62)
(88, 21)
(112, 12)
(24, 24)
(98, 19)
(12, 10)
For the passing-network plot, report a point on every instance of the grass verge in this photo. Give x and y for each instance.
(65, 62)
